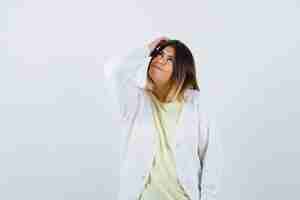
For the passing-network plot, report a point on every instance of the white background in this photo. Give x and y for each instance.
(57, 137)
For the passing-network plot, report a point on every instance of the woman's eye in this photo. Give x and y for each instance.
(170, 60)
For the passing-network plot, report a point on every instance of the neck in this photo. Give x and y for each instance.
(161, 92)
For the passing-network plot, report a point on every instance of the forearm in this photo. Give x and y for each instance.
(123, 67)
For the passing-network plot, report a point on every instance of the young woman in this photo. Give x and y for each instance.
(167, 150)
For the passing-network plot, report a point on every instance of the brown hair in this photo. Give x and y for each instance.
(184, 70)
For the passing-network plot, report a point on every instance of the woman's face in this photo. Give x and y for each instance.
(161, 67)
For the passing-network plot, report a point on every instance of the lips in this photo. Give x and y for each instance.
(157, 67)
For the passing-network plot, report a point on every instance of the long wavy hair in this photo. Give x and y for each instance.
(184, 70)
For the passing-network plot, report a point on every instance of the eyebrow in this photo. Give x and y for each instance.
(170, 56)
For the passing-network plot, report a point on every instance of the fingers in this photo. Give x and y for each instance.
(158, 40)
(155, 42)
(163, 38)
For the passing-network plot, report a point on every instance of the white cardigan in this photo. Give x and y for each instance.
(196, 150)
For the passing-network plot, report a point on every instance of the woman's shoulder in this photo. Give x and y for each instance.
(192, 95)
(197, 99)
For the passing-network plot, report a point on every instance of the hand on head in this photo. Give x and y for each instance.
(155, 42)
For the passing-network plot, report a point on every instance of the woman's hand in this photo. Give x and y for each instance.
(155, 42)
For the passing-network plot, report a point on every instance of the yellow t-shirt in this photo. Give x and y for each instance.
(162, 182)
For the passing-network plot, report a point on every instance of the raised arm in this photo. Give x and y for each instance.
(126, 75)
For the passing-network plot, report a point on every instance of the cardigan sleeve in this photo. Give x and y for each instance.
(124, 76)
(211, 159)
